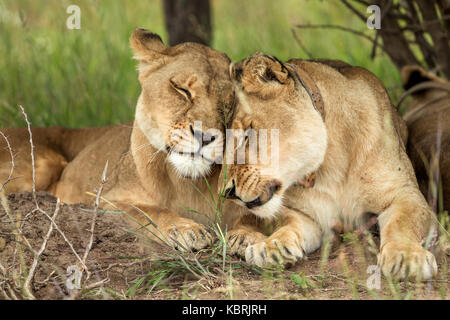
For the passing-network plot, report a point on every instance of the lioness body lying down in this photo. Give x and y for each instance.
(428, 120)
(355, 149)
(147, 167)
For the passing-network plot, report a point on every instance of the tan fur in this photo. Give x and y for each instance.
(428, 120)
(359, 155)
(180, 85)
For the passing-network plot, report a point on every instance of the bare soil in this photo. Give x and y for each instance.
(124, 265)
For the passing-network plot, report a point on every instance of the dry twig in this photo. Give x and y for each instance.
(342, 28)
(427, 29)
(31, 153)
(10, 178)
(37, 255)
(94, 218)
(300, 43)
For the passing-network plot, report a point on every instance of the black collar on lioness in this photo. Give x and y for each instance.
(310, 86)
(314, 93)
(307, 82)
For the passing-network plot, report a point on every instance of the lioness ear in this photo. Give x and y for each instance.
(146, 45)
(282, 76)
(235, 72)
(412, 75)
(275, 69)
(276, 73)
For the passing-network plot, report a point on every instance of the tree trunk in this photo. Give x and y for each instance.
(188, 21)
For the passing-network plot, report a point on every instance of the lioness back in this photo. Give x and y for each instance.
(84, 172)
(358, 73)
(53, 149)
(428, 120)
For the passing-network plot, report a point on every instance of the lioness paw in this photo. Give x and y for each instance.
(273, 252)
(407, 261)
(189, 236)
(238, 240)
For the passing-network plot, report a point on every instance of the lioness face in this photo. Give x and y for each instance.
(270, 97)
(186, 99)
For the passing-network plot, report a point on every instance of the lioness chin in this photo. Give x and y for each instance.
(335, 123)
(159, 162)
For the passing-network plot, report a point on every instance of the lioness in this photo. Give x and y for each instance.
(156, 163)
(336, 123)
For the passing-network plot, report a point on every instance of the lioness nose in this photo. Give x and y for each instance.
(268, 191)
(203, 138)
(230, 193)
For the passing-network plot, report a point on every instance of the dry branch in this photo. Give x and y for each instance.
(38, 254)
(423, 18)
(438, 35)
(11, 154)
(31, 153)
(94, 218)
(342, 28)
(300, 43)
(64, 237)
(34, 191)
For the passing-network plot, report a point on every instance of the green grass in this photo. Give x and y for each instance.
(86, 77)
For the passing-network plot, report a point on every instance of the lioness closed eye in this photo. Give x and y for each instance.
(339, 138)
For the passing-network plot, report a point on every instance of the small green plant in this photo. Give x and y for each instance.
(302, 281)
(349, 237)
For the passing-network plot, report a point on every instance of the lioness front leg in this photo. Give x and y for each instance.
(405, 226)
(165, 226)
(297, 236)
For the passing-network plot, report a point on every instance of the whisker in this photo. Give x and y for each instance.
(153, 156)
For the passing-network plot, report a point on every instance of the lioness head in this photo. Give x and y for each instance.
(186, 99)
(271, 97)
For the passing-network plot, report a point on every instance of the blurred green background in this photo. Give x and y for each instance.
(87, 77)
